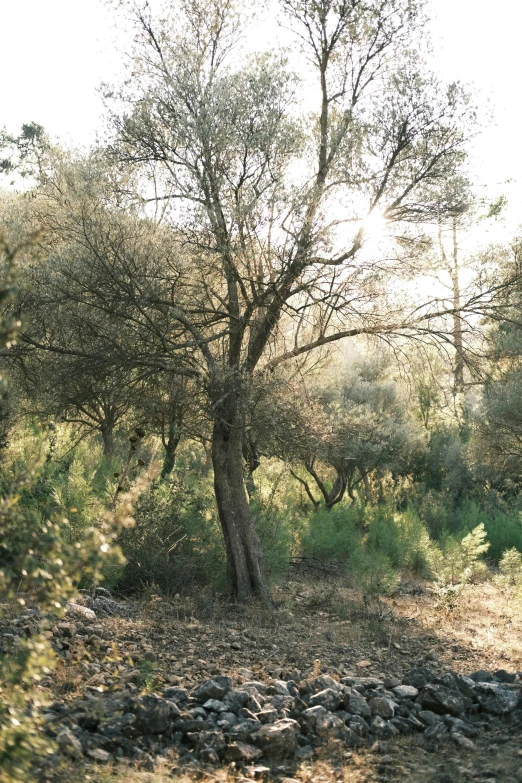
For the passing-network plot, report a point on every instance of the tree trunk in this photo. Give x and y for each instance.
(458, 340)
(252, 462)
(243, 547)
(170, 445)
(367, 488)
(107, 433)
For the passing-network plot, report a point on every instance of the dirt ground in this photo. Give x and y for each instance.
(321, 625)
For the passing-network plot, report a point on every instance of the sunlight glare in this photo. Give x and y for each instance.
(374, 224)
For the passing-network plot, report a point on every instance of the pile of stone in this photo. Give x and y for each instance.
(283, 720)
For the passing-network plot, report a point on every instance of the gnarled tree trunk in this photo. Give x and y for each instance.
(244, 554)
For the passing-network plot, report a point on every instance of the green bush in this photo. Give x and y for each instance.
(334, 535)
(399, 536)
(176, 543)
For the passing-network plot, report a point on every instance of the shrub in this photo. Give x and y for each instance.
(334, 535)
(457, 564)
(510, 568)
(176, 542)
(37, 565)
(401, 537)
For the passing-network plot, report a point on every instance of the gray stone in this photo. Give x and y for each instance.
(428, 717)
(278, 739)
(211, 739)
(418, 678)
(242, 751)
(441, 700)
(329, 698)
(209, 755)
(236, 699)
(216, 688)
(228, 719)
(382, 707)
(324, 681)
(99, 755)
(465, 685)
(462, 741)
(179, 695)
(268, 715)
(503, 676)
(154, 715)
(492, 697)
(405, 692)
(324, 723)
(69, 744)
(436, 732)
(357, 705)
(214, 705)
(123, 725)
(481, 676)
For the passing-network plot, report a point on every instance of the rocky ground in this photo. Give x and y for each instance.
(328, 687)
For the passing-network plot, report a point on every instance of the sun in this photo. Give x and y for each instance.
(374, 224)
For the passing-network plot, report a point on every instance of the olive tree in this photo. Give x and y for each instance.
(269, 195)
(255, 250)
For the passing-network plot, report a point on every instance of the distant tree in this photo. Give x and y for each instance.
(336, 436)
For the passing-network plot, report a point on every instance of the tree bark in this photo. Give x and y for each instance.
(107, 433)
(245, 575)
(171, 442)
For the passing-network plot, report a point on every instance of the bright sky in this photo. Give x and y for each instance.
(54, 53)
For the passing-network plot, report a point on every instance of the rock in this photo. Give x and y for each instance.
(465, 685)
(217, 688)
(418, 678)
(356, 705)
(211, 739)
(428, 717)
(69, 744)
(278, 739)
(496, 699)
(305, 753)
(441, 700)
(213, 705)
(268, 715)
(330, 699)
(123, 725)
(76, 610)
(242, 751)
(503, 676)
(179, 695)
(382, 707)
(154, 715)
(391, 682)
(236, 699)
(481, 676)
(66, 629)
(462, 741)
(99, 755)
(323, 682)
(405, 692)
(227, 720)
(436, 732)
(324, 723)
(209, 755)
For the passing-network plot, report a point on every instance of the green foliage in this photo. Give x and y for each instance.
(334, 535)
(457, 564)
(176, 542)
(510, 569)
(38, 566)
(401, 537)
